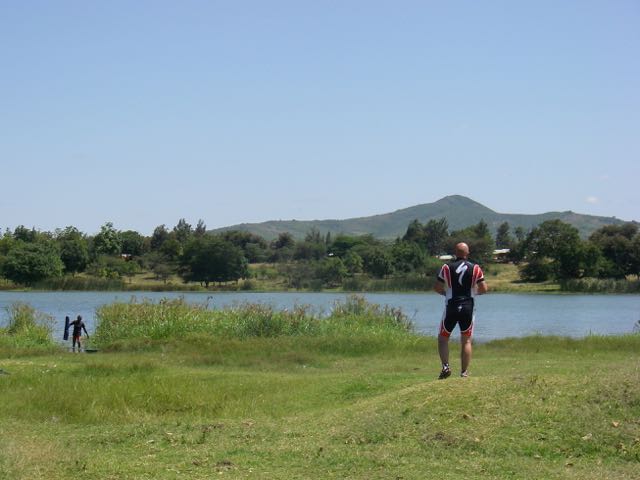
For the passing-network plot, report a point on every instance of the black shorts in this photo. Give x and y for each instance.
(457, 312)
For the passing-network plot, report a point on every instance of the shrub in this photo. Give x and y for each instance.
(535, 271)
(26, 328)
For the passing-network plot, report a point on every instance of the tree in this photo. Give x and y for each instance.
(415, 233)
(23, 234)
(27, 263)
(132, 243)
(298, 274)
(503, 236)
(108, 241)
(183, 231)
(436, 233)
(536, 270)
(255, 252)
(253, 246)
(616, 244)
(284, 240)
(212, 259)
(159, 236)
(313, 236)
(635, 255)
(331, 270)
(162, 271)
(479, 239)
(201, 229)
(353, 262)
(407, 257)
(430, 237)
(377, 261)
(309, 251)
(560, 244)
(74, 250)
(343, 244)
(160, 265)
(109, 266)
(171, 249)
(130, 269)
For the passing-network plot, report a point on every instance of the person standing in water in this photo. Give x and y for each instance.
(78, 326)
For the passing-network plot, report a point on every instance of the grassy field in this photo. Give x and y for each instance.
(251, 403)
(504, 278)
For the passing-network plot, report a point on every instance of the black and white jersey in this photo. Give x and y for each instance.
(460, 278)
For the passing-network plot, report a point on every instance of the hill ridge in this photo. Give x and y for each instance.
(460, 212)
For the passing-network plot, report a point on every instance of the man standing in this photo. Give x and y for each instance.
(459, 281)
(78, 326)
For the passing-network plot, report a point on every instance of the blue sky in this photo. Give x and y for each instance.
(142, 113)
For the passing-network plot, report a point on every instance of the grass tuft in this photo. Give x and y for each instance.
(27, 331)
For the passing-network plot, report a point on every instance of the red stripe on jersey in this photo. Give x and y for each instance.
(447, 275)
(477, 274)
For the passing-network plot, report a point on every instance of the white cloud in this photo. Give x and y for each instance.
(592, 200)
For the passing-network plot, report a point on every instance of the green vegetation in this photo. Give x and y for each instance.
(550, 257)
(281, 396)
(26, 330)
(149, 323)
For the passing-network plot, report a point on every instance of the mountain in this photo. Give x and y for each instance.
(459, 211)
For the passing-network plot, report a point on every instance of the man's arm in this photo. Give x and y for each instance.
(482, 287)
(439, 287)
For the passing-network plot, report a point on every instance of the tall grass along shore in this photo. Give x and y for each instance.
(178, 391)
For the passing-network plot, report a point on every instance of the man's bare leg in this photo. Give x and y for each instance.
(465, 352)
(443, 349)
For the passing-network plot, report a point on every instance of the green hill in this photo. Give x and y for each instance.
(459, 211)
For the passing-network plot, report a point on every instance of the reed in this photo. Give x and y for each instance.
(26, 330)
(600, 285)
(80, 283)
(143, 323)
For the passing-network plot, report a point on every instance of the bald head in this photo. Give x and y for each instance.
(462, 250)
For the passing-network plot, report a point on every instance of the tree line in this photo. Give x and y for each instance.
(551, 251)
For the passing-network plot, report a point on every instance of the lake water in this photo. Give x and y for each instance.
(497, 315)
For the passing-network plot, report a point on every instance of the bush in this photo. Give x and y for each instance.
(536, 271)
(27, 328)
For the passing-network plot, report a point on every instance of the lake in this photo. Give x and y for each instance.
(497, 315)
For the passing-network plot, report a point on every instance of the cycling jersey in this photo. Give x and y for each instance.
(460, 279)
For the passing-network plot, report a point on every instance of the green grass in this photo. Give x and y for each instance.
(147, 323)
(329, 405)
(27, 330)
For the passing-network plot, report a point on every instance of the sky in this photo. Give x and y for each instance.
(142, 113)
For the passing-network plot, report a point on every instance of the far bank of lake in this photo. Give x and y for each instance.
(497, 315)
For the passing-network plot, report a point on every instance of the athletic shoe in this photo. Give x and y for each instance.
(445, 373)
(464, 374)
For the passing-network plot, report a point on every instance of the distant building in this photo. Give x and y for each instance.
(501, 254)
